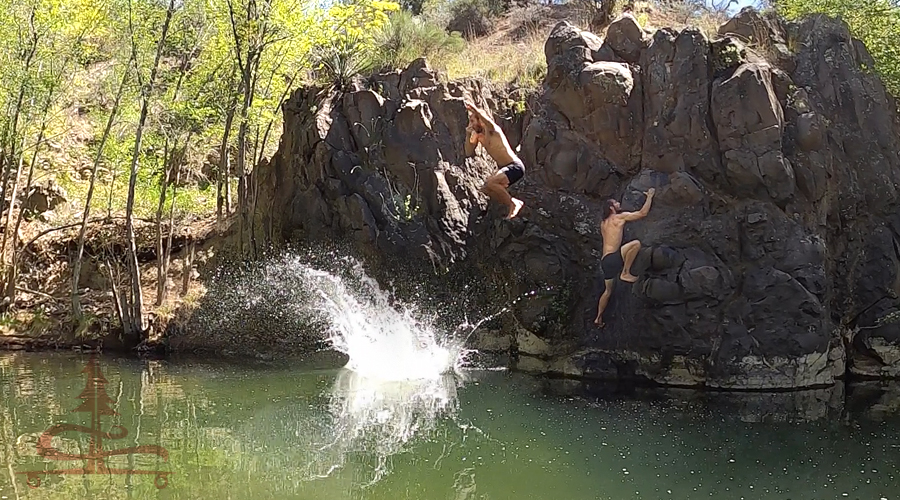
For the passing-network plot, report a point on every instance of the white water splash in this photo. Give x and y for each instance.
(382, 341)
(400, 383)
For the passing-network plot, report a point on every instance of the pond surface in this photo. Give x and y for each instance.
(258, 432)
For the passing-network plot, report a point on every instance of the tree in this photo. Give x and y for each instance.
(23, 52)
(180, 122)
(49, 45)
(133, 312)
(164, 84)
(13, 266)
(76, 267)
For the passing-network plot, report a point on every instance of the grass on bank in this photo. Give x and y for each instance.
(521, 62)
(514, 51)
(406, 37)
(679, 15)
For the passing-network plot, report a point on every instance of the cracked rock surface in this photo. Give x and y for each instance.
(771, 255)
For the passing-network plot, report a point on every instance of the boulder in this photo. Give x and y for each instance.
(593, 127)
(43, 198)
(763, 31)
(676, 77)
(626, 38)
(749, 126)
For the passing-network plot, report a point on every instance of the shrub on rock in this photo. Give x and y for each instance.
(406, 38)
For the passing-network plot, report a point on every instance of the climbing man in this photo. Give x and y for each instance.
(482, 129)
(617, 258)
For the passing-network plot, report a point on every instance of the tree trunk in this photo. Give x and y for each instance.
(224, 165)
(118, 305)
(167, 253)
(227, 188)
(249, 54)
(169, 162)
(242, 151)
(284, 96)
(11, 139)
(187, 268)
(12, 201)
(245, 189)
(13, 265)
(163, 187)
(261, 148)
(76, 267)
(136, 324)
(164, 256)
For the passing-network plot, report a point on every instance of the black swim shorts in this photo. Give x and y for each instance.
(514, 171)
(612, 265)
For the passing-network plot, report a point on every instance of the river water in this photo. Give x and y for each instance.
(295, 430)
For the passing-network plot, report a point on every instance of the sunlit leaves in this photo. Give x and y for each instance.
(90, 43)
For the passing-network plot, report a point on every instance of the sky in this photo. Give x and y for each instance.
(736, 6)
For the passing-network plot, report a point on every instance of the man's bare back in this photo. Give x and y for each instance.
(617, 259)
(483, 130)
(496, 145)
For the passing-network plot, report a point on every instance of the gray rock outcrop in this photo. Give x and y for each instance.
(772, 252)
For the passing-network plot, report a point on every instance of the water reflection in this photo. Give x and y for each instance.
(380, 418)
(747, 406)
(244, 432)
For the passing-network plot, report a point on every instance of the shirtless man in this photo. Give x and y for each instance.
(482, 129)
(617, 258)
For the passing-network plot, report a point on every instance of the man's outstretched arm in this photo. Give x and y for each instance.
(640, 214)
(483, 119)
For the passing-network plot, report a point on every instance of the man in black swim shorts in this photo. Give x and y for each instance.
(482, 129)
(617, 258)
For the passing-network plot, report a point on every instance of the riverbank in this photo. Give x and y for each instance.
(42, 316)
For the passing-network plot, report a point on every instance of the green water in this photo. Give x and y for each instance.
(254, 432)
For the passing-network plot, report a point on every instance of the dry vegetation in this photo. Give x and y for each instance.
(501, 60)
(514, 51)
(48, 316)
(678, 15)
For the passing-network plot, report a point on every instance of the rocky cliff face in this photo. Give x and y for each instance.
(772, 251)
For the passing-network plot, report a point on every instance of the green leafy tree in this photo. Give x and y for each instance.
(155, 89)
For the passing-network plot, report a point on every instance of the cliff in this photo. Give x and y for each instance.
(772, 251)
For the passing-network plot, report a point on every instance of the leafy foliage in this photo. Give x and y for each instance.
(199, 83)
(405, 38)
(341, 59)
(875, 22)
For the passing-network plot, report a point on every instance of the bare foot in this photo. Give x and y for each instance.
(517, 205)
(628, 277)
(599, 322)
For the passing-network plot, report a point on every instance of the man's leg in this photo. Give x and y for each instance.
(495, 186)
(629, 253)
(604, 300)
